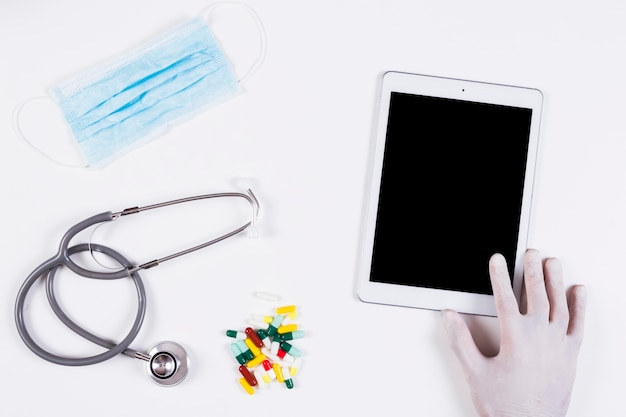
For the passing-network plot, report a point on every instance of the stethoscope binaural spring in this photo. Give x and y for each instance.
(167, 363)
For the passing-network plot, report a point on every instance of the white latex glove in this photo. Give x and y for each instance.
(534, 370)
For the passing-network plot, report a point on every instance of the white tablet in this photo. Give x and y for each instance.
(451, 184)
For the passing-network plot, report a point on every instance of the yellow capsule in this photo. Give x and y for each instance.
(278, 370)
(255, 350)
(288, 328)
(246, 385)
(293, 369)
(285, 309)
(256, 361)
(266, 377)
(262, 318)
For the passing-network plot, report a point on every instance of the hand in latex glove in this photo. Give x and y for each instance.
(534, 371)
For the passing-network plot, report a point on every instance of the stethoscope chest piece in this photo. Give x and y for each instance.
(168, 364)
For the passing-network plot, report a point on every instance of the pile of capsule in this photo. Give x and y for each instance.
(266, 353)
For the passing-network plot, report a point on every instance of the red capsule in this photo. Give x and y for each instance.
(248, 376)
(281, 353)
(254, 337)
(267, 365)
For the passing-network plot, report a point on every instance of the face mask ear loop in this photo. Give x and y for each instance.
(207, 14)
(20, 133)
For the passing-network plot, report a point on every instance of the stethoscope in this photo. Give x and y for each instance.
(167, 363)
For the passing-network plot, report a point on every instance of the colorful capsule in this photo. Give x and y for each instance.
(256, 361)
(281, 353)
(245, 350)
(274, 325)
(297, 334)
(255, 350)
(237, 353)
(261, 377)
(287, 377)
(262, 318)
(289, 311)
(295, 366)
(272, 357)
(275, 346)
(285, 309)
(287, 328)
(291, 349)
(257, 324)
(278, 370)
(246, 385)
(284, 356)
(265, 376)
(265, 339)
(252, 335)
(245, 372)
(235, 334)
(267, 366)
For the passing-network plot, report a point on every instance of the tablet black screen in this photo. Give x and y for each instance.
(451, 192)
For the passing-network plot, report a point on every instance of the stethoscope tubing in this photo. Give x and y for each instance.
(48, 270)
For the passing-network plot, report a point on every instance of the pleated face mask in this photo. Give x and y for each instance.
(127, 102)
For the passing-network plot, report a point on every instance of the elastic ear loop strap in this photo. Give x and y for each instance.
(20, 132)
(207, 14)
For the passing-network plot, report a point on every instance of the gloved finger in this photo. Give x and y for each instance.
(534, 284)
(555, 289)
(577, 312)
(461, 341)
(506, 304)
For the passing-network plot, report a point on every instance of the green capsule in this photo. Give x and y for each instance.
(245, 350)
(287, 377)
(296, 334)
(290, 349)
(235, 334)
(264, 337)
(274, 325)
(237, 353)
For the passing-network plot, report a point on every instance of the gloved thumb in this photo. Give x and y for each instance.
(461, 340)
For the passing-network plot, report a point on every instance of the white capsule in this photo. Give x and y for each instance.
(258, 324)
(289, 358)
(269, 355)
(259, 377)
(269, 369)
(295, 366)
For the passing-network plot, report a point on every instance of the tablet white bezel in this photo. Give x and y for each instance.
(429, 298)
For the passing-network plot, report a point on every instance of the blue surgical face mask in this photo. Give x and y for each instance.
(134, 98)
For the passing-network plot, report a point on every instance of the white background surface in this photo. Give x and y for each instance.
(302, 132)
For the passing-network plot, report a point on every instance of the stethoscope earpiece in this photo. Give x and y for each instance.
(168, 364)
